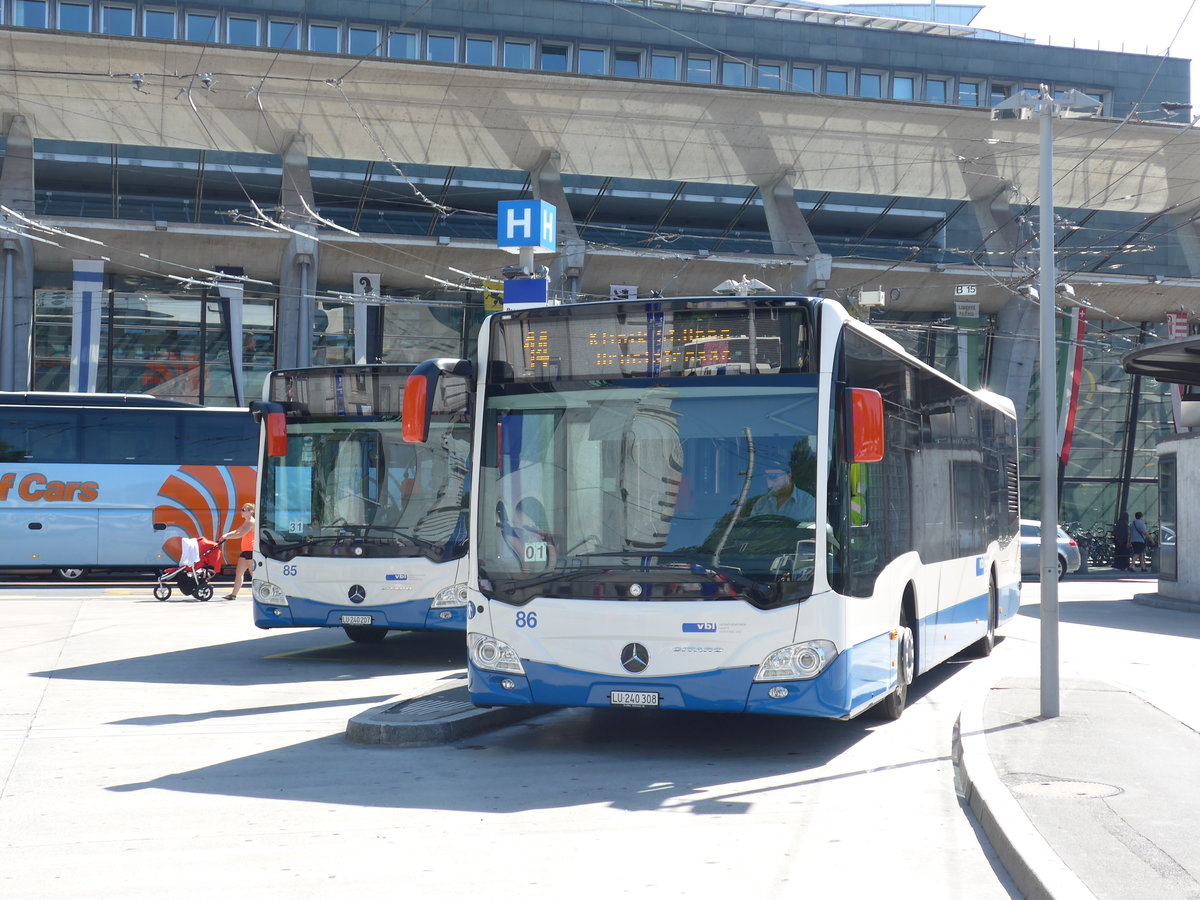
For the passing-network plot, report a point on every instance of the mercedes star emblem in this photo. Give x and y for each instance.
(357, 593)
(635, 658)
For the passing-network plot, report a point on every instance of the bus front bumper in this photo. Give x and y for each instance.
(411, 615)
(835, 694)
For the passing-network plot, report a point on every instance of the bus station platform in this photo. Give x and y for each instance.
(1101, 801)
(437, 717)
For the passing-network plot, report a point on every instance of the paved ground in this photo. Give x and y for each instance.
(1102, 800)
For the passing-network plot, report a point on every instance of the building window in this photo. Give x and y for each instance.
(664, 66)
(29, 13)
(402, 45)
(870, 84)
(903, 87)
(1168, 519)
(74, 17)
(200, 27)
(936, 90)
(1000, 92)
(770, 76)
(700, 70)
(804, 78)
(481, 52)
(116, 19)
(242, 31)
(518, 55)
(159, 23)
(555, 58)
(592, 61)
(733, 73)
(968, 93)
(364, 41)
(324, 38)
(441, 48)
(837, 82)
(627, 64)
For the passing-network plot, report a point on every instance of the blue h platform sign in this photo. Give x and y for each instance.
(526, 223)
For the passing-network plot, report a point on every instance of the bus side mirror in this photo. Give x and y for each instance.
(275, 417)
(276, 434)
(866, 425)
(419, 393)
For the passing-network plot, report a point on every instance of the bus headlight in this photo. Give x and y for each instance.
(270, 594)
(797, 662)
(495, 656)
(455, 595)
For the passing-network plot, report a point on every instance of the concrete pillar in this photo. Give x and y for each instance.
(1015, 342)
(298, 270)
(1187, 231)
(566, 267)
(791, 236)
(16, 289)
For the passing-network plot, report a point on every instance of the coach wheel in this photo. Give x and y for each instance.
(983, 646)
(204, 592)
(162, 592)
(365, 634)
(906, 658)
(69, 574)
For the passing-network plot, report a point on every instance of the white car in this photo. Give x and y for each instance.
(1069, 559)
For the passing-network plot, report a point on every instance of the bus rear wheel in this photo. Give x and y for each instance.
(983, 646)
(365, 634)
(906, 657)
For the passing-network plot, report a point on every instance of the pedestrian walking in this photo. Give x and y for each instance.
(1139, 538)
(244, 532)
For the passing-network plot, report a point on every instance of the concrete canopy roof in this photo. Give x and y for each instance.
(493, 118)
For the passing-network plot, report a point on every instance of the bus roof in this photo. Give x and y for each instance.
(73, 398)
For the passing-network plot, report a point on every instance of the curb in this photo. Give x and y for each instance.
(438, 717)
(1160, 602)
(1038, 872)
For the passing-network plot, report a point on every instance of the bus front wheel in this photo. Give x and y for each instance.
(365, 634)
(70, 574)
(906, 657)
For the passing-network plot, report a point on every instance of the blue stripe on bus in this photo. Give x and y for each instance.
(856, 678)
(859, 677)
(410, 615)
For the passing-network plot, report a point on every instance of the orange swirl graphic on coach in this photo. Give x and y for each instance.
(203, 501)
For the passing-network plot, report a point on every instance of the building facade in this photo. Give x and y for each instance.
(192, 195)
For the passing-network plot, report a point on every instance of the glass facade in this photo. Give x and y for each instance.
(177, 344)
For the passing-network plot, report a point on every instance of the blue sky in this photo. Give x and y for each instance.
(1148, 26)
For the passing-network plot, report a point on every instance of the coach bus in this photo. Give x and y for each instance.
(356, 528)
(803, 536)
(115, 481)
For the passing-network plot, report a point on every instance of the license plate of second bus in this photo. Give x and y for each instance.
(633, 698)
(357, 620)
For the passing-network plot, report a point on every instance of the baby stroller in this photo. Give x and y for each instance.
(199, 560)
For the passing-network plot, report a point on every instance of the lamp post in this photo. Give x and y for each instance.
(1046, 107)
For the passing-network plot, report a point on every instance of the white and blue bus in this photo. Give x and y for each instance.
(356, 528)
(116, 481)
(803, 536)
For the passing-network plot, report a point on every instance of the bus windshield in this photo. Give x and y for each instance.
(351, 487)
(650, 489)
